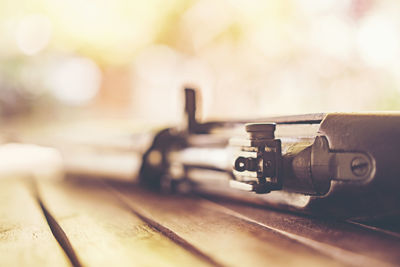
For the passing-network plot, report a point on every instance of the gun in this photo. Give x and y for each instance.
(342, 165)
(335, 164)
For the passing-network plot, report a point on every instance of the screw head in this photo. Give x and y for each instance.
(359, 166)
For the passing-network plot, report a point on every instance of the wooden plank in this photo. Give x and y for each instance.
(104, 233)
(25, 237)
(349, 242)
(229, 240)
(389, 225)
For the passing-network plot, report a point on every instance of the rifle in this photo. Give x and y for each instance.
(334, 164)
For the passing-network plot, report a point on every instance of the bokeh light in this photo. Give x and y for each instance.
(249, 58)
(379, 41)
(75, 81)
(33, 33)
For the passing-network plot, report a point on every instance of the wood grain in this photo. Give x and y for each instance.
(346, 242)
(109, 224)
(103, 233)
(25, 237)
(229, 240)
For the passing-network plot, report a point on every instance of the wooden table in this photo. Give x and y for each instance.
(94, 223)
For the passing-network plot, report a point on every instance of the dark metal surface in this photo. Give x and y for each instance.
(377, 135)
(346, 168)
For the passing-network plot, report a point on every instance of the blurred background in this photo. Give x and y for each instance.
(103, 59)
